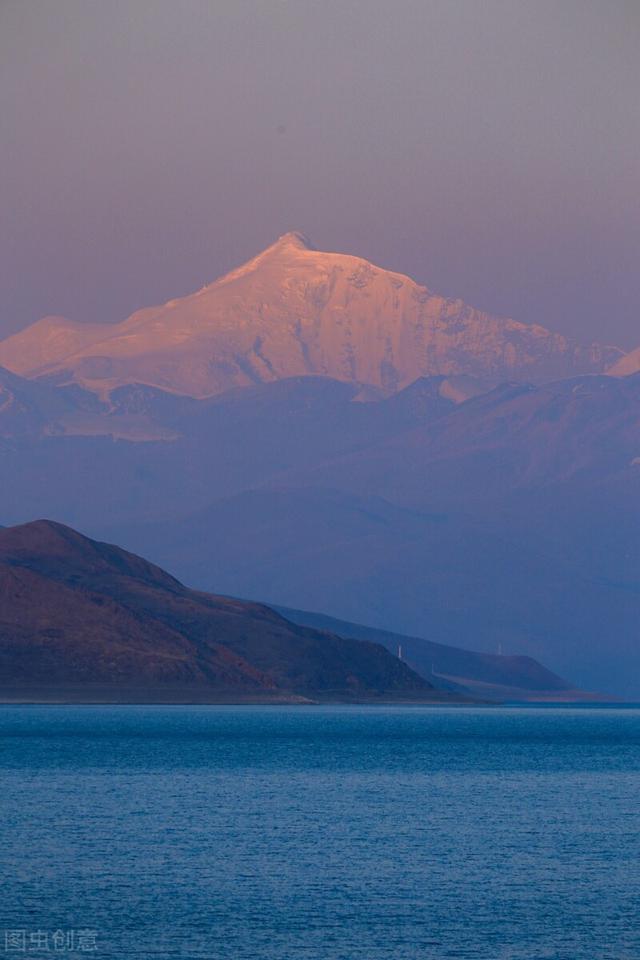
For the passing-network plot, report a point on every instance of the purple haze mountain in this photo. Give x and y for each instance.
(509, 519)
(459, 508)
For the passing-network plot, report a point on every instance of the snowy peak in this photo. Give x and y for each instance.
(627, 365)
(281, 252)
(296, 311)
(288, 243)
(296, 239)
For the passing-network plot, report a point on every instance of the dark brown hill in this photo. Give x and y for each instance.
(82, 619)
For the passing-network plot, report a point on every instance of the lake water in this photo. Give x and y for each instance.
(331, 832)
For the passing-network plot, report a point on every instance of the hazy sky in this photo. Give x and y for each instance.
(489, 148)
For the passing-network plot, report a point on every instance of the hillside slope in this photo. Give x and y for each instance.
(78, 615)
(487, 675)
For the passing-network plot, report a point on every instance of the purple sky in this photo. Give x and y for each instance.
(489, 148)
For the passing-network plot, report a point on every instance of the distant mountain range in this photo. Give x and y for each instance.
(472, 488)
(296, 311)
(507, 519)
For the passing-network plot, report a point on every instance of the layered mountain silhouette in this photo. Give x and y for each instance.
(484, 675)
(318, 433)
(31, 409)
(296, 311)
(84, 619)
(509, 518)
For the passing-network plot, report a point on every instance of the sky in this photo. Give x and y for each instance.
(488, 148)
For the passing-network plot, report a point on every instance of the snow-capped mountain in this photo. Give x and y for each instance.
(296, 311)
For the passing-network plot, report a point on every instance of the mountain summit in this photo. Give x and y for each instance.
(295, 311)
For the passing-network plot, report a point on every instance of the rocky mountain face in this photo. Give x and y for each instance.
(295, 311)
(84, 619)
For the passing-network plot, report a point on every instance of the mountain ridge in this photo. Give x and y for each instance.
(295, 311)
(492, 675)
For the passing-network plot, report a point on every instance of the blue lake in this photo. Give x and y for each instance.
(376, 833)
